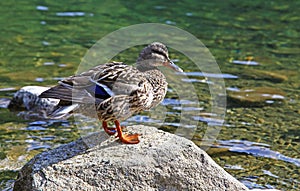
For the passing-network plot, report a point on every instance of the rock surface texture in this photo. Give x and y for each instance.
(161, 161)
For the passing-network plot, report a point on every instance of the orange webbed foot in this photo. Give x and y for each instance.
(129, 138)
(126, 138)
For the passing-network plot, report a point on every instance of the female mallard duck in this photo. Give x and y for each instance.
(116, 90)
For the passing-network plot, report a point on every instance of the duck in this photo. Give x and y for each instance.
(115, 91)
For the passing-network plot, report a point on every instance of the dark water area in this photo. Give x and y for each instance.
(256, 46)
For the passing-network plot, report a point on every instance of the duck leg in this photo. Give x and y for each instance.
(125, 138)
(108, 130)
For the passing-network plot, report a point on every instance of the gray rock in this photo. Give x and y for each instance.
(31, 106)
(27, 101)
(161, 161)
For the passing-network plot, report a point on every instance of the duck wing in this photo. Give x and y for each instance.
(98, 84)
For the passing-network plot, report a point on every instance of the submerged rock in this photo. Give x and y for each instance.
(161, 161)
(253, 97)
(31, 106)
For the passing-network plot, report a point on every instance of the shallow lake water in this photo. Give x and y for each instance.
(255, 43)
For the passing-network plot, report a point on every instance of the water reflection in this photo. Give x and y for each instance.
(42, 8)
(248, 62)
(211, 75)
(255, 149)
(70, 14)
(61, 32)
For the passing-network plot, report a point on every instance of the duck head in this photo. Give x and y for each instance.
(154, 55)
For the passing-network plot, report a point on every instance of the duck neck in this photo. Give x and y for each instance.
(145, 66)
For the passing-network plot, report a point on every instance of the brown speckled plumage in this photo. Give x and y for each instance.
(115, 90)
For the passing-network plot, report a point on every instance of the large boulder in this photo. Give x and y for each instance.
(161, 161)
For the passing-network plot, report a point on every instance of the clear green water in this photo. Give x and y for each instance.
(267, 137)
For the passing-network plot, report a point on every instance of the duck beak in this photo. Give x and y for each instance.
(171, 64)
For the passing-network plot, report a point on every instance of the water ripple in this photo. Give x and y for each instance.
(245, 62)
(210, 75)
(70, 14)
(169, 101)
(42, 8)
(4, 102)
(256, 149)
